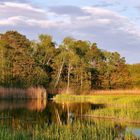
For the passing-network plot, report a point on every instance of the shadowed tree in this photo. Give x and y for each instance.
(20, 69)
(116, 73)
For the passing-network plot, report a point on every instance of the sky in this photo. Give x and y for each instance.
(113, 24)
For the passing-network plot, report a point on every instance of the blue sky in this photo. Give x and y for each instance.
(113, 24)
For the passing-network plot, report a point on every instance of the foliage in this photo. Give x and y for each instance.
(74, 64)
(134, 71)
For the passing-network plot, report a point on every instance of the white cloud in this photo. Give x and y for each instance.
(10, 21)
(41, 23)
(23, 21)
(110, 20)
(21, 6)
(8, 9)
(98, 11)
(109, 29)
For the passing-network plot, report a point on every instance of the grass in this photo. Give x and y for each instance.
(122, 114)
(30, 93)
(118, 107)
(114, 100)
(76, 131)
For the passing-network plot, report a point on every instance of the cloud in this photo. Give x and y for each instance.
(23, 21)
(21, 6)
(21, 1)
(27, 15)
(101, 19)
(8, 9)
(67, 10)
(109, 29)
(138, 7)
(10, 21)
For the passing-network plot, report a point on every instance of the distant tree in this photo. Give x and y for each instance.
(134, 70)
(2, 63)
(116, 73)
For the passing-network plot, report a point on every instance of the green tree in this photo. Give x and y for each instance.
(44, 52)
(20, 67)
(96, 65)
(82, 74)
(116, 73)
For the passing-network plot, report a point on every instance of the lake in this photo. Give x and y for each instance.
(31, 119)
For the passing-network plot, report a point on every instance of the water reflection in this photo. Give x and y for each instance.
(134, 130)
(38, 105)
(27, 114)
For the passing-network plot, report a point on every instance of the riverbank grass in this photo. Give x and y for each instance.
(114, 100)
(124, 108)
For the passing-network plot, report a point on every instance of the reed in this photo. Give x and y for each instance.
(77, 131)
(30, 93)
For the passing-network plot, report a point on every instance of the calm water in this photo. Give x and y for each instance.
(27, 114)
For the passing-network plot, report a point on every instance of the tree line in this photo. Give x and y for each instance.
(73, 64)
(134, 70)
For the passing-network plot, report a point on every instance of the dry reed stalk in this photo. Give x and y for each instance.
(30, 93)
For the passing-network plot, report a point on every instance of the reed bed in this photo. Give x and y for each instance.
(77, 131)
(30, 93)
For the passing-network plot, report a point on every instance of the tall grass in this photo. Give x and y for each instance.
(124, 107)
(114, 100)
(30, 93)
(77, 131)
(128, 115)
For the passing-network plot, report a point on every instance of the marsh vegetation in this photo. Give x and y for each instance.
(37, 93)
(54, 121)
